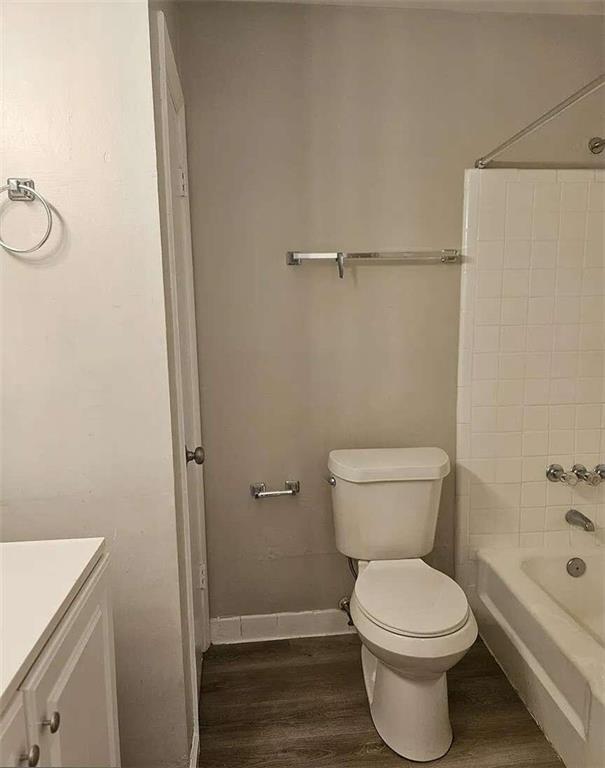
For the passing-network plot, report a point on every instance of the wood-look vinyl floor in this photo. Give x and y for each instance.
(291, 703)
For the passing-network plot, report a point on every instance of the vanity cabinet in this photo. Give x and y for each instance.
(64, 711)
(13, 734)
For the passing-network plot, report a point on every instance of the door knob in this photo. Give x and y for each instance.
(197, 455)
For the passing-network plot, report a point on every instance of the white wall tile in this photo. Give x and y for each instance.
(514, 311)
(515, 282)
(543, 254)
(535, 443)
(547, 197)
(490, 255)
(533, 393)
(533, 468)
(535, 418)
(517, 254)
(512, 365)
(487, 311)
(542, 282)
(512, 338)
(485, 366)
(564, 365)
(545, 224)
(562, 416)
(489, 284)
(487, 338)
(531, 539)
(570, 253)
(574, 196)
(567, 309)
(572, 225)
(575, 175)
(538, 364)
(541, 309)
(536, 391)
(596, 197)
(491, 224)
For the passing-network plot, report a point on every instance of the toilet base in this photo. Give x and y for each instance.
(410, 714)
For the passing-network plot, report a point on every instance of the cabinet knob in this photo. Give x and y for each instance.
(32, 757)
(53, 722)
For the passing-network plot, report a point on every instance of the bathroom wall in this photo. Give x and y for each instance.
(328, 128)
(532, 342)
(85, 403)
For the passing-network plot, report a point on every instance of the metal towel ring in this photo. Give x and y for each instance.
(23, 190)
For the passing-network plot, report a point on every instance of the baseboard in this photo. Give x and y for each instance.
(278, 626)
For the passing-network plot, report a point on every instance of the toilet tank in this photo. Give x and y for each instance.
(385, 501)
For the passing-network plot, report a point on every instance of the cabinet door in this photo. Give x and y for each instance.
(13, 735)
(73, 682)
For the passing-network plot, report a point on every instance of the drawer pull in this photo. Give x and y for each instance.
(54, 722)
(32, 757)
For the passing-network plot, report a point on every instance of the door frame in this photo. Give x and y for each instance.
(192, 586)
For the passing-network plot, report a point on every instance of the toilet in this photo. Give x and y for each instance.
(414, 622)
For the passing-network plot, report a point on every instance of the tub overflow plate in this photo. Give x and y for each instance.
(576, 567)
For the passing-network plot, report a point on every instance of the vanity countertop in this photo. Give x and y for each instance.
(38, 581)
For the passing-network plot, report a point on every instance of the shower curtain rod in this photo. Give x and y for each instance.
(589, 88)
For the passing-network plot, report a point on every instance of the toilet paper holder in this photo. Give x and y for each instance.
(259, 490)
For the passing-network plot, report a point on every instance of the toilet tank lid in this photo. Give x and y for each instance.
(370, 465)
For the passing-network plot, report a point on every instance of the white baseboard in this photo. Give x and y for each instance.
(278, 626)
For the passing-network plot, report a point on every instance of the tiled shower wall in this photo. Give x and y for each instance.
(531, 369)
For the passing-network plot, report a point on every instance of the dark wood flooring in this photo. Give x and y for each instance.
(302, 702)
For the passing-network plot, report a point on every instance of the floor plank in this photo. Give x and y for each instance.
(291, 703)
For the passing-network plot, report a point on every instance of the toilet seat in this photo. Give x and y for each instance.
(409, 598)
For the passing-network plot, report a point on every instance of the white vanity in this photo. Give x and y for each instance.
(57, 671)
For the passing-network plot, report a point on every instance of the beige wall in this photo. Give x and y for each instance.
(339, 128)
(85, 399)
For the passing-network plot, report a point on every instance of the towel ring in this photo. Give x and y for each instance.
(23, 189)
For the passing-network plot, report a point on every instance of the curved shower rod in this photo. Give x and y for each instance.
(597, 146)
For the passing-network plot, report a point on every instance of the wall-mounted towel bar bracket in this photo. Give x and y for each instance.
(341, 258)
(259, 490)
(24, 190)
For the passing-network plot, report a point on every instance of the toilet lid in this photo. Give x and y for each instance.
(408, 597)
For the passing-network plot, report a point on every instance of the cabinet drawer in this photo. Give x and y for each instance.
(69, 694)
(13, 734)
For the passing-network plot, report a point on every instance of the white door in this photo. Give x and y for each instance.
(182, 343)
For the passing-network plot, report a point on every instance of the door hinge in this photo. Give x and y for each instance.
(182, 182)
(202, 577)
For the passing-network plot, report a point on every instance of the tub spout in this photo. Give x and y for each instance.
(576, 518)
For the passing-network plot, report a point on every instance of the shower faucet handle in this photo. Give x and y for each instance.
(556, 474)
(600, 470)
(580, 471)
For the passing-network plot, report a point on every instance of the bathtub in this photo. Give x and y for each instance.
(546, 630)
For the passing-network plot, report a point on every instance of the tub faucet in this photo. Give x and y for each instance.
(589, 476)
(576, 518)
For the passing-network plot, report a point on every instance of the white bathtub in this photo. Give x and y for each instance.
(546, 629)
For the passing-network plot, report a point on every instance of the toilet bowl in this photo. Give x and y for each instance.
(414, 624)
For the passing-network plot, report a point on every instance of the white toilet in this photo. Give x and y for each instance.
(414, 622)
